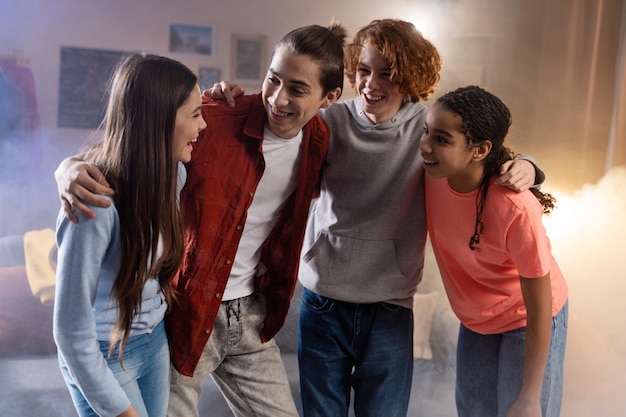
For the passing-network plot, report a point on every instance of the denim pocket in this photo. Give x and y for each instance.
(315, 301)
(392, 307)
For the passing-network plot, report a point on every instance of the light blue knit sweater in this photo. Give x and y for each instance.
(88, 261)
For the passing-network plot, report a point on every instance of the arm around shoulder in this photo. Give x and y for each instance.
(520, 174)
(79, 182)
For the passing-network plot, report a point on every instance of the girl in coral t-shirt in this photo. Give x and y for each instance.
(495, 261)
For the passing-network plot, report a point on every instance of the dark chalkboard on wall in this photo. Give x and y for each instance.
(84, 78)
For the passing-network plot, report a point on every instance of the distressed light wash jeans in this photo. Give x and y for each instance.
(490, 370)
(145, 377)
(250, 375)
(367, 348)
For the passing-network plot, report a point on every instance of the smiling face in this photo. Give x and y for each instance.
(189, 123)
(447, 153)
(292, 93)
(380, 98)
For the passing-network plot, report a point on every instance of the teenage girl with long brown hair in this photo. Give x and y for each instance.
(114, 272)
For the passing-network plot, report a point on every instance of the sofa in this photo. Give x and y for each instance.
(31, 384)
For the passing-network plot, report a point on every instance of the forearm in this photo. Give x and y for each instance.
(540, 176)
(538, 300)
(538, 332)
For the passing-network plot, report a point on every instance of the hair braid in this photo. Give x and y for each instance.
(485, 117)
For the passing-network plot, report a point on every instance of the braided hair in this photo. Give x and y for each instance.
(485, 117)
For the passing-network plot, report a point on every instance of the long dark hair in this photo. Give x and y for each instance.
(485, 117)
(135, 155)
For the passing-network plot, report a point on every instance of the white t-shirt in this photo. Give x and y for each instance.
(278, 182)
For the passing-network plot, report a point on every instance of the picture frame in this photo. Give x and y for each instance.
(191, 39)
(83, 81)
(208, 76)
(248, 58)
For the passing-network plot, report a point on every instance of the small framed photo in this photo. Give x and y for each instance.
(209, 76)
(192, 39)
(248, 58)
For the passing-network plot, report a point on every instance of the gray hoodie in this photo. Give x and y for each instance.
(366, 235)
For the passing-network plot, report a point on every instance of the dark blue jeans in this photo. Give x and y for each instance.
(364, 347)
(490, 370)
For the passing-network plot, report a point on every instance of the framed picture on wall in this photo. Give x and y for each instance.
(192, 39)
(248, 58)
(83, 81)
(208, 77)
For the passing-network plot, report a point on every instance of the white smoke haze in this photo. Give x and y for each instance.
(587, 231)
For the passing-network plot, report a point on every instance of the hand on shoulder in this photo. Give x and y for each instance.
(224, 90)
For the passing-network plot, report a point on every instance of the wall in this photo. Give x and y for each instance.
(558, 64)
(40, 30)
(552, 61)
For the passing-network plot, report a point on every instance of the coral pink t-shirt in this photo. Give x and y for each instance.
(483, 286)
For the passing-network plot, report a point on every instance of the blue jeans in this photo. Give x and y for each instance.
(145, 377)
(364, 347)
(490, 370)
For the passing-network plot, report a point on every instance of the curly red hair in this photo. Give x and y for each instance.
(414, 61)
